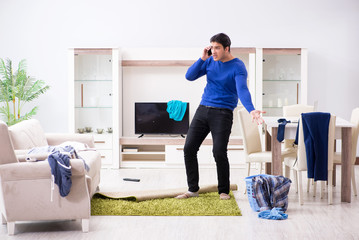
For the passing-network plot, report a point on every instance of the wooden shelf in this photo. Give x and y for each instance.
(93, 51)
(157, 63)
(139, 153)
(176, 63)
(282, 51)
(238, 50)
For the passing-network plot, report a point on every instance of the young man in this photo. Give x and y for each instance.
(226, 81)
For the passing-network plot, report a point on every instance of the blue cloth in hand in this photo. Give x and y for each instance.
(176, 109)
(274, 214)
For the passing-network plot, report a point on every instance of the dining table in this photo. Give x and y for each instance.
(343, 129)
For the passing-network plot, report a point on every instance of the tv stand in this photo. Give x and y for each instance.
(183, 136)
(150, 152)
(140, 136)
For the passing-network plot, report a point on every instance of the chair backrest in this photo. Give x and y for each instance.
(295, 111)
(7, 154)
(250, 132)
(355, 131)
(27, 134)
(301, 155)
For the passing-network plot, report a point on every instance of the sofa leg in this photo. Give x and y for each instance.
(11, 228)
(85, 225)
(3, 220)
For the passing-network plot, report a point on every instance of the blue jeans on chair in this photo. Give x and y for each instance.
(219, 122)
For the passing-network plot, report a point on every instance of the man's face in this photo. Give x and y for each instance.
(218, 52)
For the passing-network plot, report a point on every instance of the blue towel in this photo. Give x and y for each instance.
(274, 214)
(176, 109)
(281, 128)
(315, 130)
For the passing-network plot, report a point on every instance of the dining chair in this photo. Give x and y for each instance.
(354, 119)
(299, 164)
(252, 142)
(293, 112)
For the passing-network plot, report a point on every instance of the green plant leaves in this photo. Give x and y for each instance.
(16, 89)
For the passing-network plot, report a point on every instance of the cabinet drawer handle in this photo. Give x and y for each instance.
(103, 156)
(179, 149)
(100, 141)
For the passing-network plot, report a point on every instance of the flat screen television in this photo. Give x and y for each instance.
(153, 118)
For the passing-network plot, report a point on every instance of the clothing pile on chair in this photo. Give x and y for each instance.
(59, 161)
(271, 193)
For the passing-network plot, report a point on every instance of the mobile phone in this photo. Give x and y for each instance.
(209, 52)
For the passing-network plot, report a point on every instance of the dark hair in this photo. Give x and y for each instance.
(222, 39)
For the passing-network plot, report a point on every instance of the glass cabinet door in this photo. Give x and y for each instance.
(93, 92)
(95, 95)
(282, 80)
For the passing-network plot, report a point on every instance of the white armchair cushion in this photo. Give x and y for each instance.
(27, 134)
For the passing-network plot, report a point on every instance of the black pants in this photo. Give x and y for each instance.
(219, 122)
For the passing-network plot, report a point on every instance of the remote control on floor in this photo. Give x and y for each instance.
(131, 179)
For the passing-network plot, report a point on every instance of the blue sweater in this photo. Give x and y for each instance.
(226, 81)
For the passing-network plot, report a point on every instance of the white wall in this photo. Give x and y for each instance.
(41, 31)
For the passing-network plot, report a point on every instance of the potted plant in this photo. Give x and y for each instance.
(16, 89)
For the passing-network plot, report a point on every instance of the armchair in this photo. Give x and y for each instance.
(25, 187)
(29, 134)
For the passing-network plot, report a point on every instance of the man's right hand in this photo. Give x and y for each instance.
(205, 55)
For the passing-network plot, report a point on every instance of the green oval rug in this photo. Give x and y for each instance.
(207, 204)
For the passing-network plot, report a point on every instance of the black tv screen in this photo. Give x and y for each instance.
(153, 118)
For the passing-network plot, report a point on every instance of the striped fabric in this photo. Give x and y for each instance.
(271, 191)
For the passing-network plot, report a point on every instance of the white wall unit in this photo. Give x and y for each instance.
(95, 98)
(158, 75)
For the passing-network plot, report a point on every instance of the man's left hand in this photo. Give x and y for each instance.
(256, 116)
